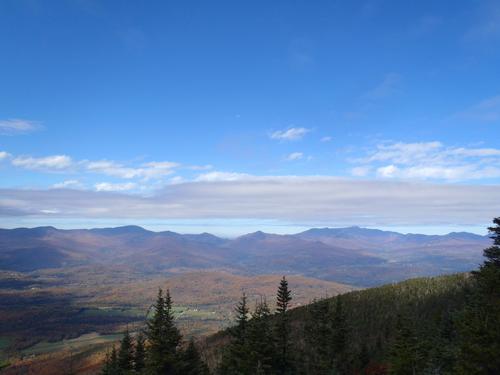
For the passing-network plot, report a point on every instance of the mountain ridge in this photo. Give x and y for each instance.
(352, 255)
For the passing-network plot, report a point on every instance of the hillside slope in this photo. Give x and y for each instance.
(372, 317)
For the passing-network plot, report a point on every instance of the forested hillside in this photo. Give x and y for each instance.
(441, 325)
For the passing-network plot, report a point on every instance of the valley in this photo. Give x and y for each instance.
(66, 292)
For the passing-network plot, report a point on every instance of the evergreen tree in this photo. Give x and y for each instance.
(139, 353)
(318, 337)
(126, 354)
(105, 370)
(260, 340)
(111, 364)
(163, 338)
(236, 358)
(339, 338)
(191, 362)
(364, 356)
(479, 324)
(406, 358)
(282, 329)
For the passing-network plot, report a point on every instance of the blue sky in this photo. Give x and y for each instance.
(231, 116)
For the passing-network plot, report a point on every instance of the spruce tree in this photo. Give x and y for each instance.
(318, 337)
(236, 358)
(191, 362)
(340, 338)
(111, 364)
(106, 368)
(282, 329)
(260, 340)
(406, 358)
(139, 353)
(479, 324)
(163, 338)
(126, 354)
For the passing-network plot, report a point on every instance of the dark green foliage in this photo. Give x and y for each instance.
(340, 338)
(318, 337)
(160, 354)
(236, 359)
(260, 340)
(326, 338)
(191, 362)
(163, 338)
(139, 353)
(282, 329)
(126, 353)
(479, 323)
(111, 366)
(406, 354)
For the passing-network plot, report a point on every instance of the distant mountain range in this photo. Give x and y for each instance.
(353, 255)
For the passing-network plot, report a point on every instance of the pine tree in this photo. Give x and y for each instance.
(191, 362)
(406, 358)
(340, 338)
(282, 329)
(110, 366)
(479, 324)
(318, 337)
(163, 338)
(126, 354)
(236, 359)
(105, 370)
(260, 340)
(139, 353)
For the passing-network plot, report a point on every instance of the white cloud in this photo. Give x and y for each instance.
(294, 156)
(291, 134)
(387, 171)
(326, 139)
(319, 199)
(433, 160)
(201, 167)
(147, 170)
(4, 155)
(108, 186)
(360, 171)
(54, 162)
(72, 184)
(221, 176)
(17, 126)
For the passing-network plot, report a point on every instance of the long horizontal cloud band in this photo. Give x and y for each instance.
(311, 199)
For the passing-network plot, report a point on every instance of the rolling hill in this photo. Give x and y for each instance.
(352, 255)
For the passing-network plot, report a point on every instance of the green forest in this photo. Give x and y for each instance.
(441, 325)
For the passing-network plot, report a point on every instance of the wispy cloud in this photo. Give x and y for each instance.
(336, 201)
(390, 85)
(18, 126)
(431, 160)
(108, 186)
(54, 162)
(146, 170)
(487, 110)
(4, 155)
(294, 156)
(68, 184)
(326, 139)
(290, 134)
(221, 176)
